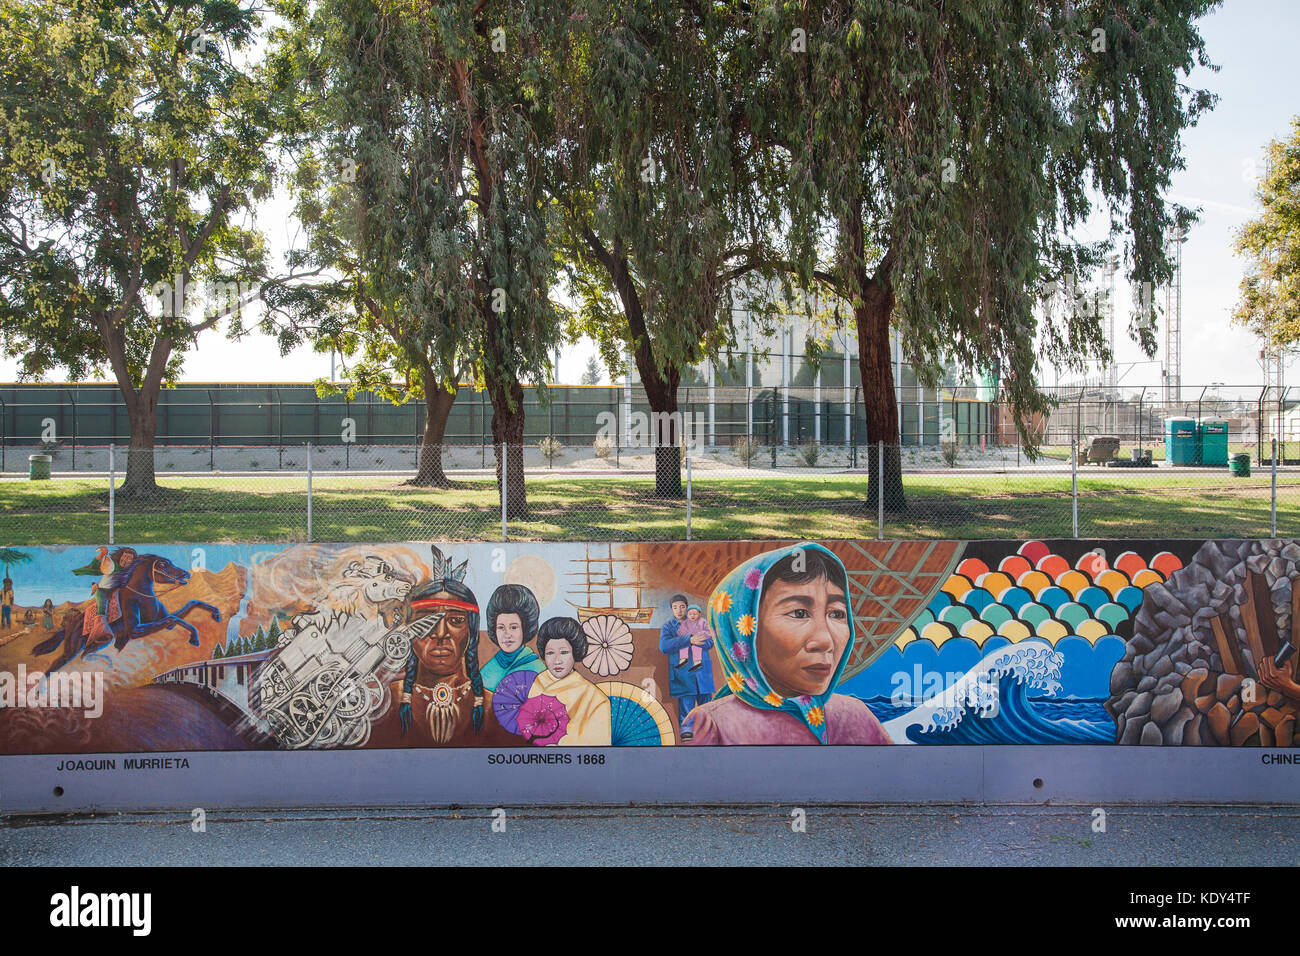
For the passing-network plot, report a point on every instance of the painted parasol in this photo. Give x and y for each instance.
(637, 719)
(511, 692)
(542, 720)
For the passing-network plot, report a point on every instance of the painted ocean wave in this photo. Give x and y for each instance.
(1009, 697)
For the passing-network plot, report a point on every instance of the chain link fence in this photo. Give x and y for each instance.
(745, 490)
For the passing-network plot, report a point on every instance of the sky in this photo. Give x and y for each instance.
(1253, 41)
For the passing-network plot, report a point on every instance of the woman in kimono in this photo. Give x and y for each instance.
(785, 632)
(512, 616)
(562, 644)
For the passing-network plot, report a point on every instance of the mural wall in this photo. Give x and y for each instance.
(157, 649)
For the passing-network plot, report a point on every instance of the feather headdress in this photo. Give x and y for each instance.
(445, 567)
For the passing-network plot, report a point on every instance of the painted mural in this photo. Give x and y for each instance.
(164, 648)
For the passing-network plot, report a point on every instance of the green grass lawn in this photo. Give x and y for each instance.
(269, 508)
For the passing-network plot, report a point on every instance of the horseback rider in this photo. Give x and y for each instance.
(108, 565)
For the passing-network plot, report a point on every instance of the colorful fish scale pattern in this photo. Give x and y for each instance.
(1036, 593)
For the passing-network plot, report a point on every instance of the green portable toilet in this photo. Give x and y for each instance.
(1212, 434)
(1180, 441)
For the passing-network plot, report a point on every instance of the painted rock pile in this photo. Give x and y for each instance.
(1172, 686)
(1036, 593)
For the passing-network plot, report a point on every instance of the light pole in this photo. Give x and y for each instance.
(1174, 322)
(1111, 377)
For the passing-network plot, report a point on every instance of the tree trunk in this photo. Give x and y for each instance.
(142, 412)
(508, 430)
(881, 403)
(660, 392)
(665, 429)
(438, 402)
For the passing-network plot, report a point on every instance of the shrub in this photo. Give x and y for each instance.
(949, 450)
(550, 448)
(745, 450)
(603, 446)
(809, 454)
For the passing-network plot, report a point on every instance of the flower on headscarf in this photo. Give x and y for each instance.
(721, 602)
(816, 717)
(746, 624)
(773, 700)
(735, 682)
(741, 650)
(753, 578)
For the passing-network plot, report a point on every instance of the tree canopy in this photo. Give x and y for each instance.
(669, 186)
(1270, 290)
(944, 155)
(135, 142)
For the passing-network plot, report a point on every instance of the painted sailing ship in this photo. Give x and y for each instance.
(600, 580)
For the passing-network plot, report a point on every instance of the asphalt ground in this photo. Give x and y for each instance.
(931, 835)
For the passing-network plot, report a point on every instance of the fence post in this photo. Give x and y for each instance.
(112, 495)
(1074, 484)
(688, 492)
(309, 491)
(880, 492)
(1274, 495)
(505, 485)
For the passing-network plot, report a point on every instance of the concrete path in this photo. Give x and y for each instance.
(675, 836)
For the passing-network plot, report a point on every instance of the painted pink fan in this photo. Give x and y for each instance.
(543, 720)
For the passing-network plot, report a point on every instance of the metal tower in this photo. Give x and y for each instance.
(1111, 376)
(1174, 323)
(1273, 374)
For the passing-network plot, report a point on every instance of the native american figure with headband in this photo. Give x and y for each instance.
(440, 699)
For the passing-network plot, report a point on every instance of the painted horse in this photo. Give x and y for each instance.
(133, 611)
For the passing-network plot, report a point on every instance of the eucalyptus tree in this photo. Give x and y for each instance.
(135, 142)
(444, 113)
(381, 213)
(670, 190)
(944, 155)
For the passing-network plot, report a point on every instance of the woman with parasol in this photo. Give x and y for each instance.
(585, 718)
(512, 616)
(784, 634)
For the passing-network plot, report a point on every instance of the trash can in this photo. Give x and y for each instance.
(1239, 465)
(1212, 435)
(38, 467)
(1180, 441)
